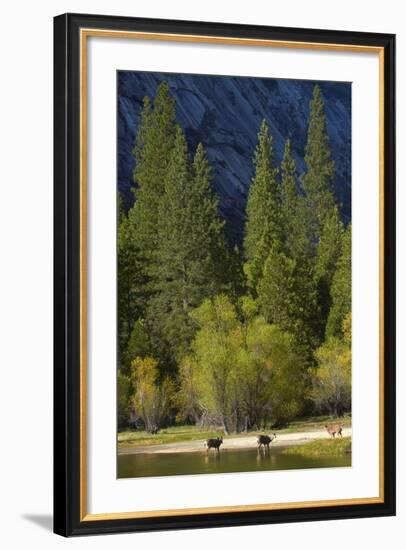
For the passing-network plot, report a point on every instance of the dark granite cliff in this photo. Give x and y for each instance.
(224, 113)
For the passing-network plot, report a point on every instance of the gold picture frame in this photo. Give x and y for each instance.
(71, 40)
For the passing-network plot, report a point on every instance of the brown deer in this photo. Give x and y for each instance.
(213, 443)
(334, 429)
(265, 440)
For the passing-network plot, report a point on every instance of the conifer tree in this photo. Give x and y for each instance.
(152, 151)
(329, 250)
(289, 188)
(234, 273)
(341, 290)
(287, 297)
(276, 290)
(263, 225)
(288, 284)
(191, 247)
(208, 228)
(130, 283)
(296, 242)
(317, 180)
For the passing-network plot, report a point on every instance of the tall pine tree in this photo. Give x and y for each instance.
(152, 151)
(341, 290)
(263, 215)
(317, 180)
(289, 187)
(287, 296)
(328, 253)
(287, 292)
(276, 290)
(130, 283)
(191, 247)
(320, 215)
(296, 242)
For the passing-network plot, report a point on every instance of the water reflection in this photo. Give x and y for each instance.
(151, 465)
(211, 456)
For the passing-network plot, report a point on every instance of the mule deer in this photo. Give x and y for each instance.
(334, 429)
(265, 440)
(213, 443)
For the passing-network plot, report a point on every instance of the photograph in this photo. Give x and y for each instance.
(234, 283)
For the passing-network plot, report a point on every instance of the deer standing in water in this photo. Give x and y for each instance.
(213, 443)
(265, 440)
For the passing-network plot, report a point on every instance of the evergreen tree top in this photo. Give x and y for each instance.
(318, 154)
(318, 179)
(263, 158)
(263, 225)
(288, 172)
(178, 169)
(201, 166)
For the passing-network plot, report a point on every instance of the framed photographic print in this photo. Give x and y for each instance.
(224, 274)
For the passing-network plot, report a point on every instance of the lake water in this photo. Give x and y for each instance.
(227, 461)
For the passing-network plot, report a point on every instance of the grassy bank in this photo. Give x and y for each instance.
(313, 423)
(176, 434)
(322, 447)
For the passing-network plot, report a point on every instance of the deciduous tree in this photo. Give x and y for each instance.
(331, 378)
(152, 397)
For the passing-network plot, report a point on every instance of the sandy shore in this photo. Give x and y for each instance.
(230, 443)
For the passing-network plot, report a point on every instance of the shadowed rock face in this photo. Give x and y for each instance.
(225, 113)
